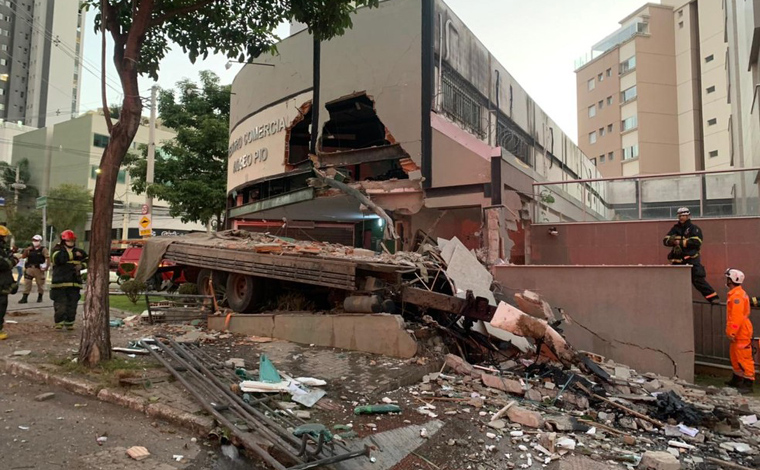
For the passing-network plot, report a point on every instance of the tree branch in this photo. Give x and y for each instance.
(104, 8)
(161, 19)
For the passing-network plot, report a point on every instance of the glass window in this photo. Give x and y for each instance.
(629, 123)
(631, 152)
(592, 137)
(628, 65)
(591, 84)
(709, 58)
(100, 140)
(600, 77)
(610, 156)
(711, 89)
(713, 153)
(122, 178)
(628, 94)
(712, 122)
(601, 104)
(609, 128)
(609, 100)
(602, 131)
(609, 72)
(601, 158)
(591, 111)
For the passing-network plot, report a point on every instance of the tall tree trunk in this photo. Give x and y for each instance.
(95, 343)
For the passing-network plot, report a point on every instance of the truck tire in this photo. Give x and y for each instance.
(244, 293)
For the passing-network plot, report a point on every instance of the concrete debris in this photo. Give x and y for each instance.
(532, 304)
(23, 352)
(44, 396)
(525, 417)
(659, 461)
(138, 453)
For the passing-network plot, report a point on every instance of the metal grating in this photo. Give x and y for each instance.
(462, 102)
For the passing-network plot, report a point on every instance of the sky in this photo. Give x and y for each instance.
(537, 41)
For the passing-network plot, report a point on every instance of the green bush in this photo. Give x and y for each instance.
(132, 289)
(188, 288)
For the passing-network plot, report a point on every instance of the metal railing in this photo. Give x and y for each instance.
(721, 193)
(710, 341)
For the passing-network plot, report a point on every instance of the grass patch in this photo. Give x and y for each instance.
(121, 302)
(107, 372)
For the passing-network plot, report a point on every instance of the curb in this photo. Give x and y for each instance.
(199, 425)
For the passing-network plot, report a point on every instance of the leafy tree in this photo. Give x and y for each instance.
(23, 224)
(68, 206)
(190, 171)
(8, 178)
(142, 31)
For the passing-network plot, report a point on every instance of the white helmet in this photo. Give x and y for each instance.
(37, 238)
(736, 276)
(684, 211)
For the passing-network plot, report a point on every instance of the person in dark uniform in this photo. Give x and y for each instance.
(68, 262)
(37, 260)
(7, 283)
(685, 240)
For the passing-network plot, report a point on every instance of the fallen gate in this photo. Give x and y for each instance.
(254, 423)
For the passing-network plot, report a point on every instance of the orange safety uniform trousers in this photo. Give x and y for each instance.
(739, 331)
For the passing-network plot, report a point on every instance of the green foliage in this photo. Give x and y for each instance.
(8, 177)
(133, 289)
(190, 170)
(188, 288)
(68, 205)
(23, 224)
(240, 29)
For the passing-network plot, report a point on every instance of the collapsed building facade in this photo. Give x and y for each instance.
(424, 130)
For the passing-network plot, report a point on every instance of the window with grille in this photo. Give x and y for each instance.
(462, 102)
(513, 139)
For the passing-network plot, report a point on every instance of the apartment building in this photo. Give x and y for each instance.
(70, 152)
(653, 97)
(40, 60)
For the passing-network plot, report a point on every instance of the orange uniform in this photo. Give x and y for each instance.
(739, 331)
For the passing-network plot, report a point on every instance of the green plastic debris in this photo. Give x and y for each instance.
(349, 435)
(315, 430)
(267, 371)
(196, 322)
(243, 374)
(341, 427)
(116, 323)
(247, 398)
(376, 409)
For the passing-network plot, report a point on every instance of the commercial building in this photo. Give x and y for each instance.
(69, 153)
(40, 60)
(426, 124)
(654, 96)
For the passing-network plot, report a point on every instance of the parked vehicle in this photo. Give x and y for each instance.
(165, 276)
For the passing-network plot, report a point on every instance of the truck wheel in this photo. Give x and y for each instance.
(244, 293)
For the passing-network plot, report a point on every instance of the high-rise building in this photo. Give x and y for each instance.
(654, 96)
(40, 60)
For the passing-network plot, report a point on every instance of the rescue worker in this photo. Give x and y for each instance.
(37, 261)
(739, 332)
(7, 284)
(68, 261)
(685, 238)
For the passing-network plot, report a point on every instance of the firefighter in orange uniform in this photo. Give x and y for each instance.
(739, 331)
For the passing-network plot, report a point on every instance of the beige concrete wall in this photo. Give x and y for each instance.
(610, 316)
(355, 62)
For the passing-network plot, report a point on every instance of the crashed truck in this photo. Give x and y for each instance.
(252, 272)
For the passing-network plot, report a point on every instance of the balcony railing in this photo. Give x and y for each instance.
(724, 193)
(614, 39)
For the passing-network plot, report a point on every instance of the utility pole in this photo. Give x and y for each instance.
(151, 151)
(46, 180)
(16, 187)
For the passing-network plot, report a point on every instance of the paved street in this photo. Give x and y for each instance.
(61, 433)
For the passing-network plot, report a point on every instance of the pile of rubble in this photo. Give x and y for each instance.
(643, 421)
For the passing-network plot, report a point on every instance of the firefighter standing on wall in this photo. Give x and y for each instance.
(68, 261)
(739, 332)
(37, 260)
(7, 284)
(685, 238)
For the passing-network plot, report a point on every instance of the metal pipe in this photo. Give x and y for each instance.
(220, 417)
(642, 177)
(237, 401)
(269, 434)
